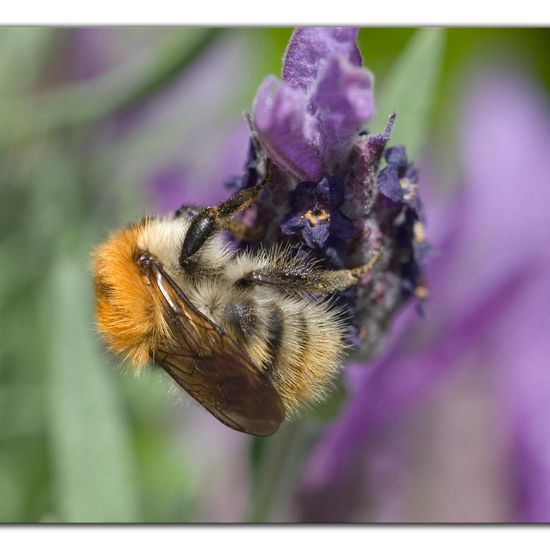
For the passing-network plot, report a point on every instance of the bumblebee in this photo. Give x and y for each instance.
(250, 335)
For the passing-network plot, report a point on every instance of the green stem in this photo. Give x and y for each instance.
(276, 471)
(79, 104)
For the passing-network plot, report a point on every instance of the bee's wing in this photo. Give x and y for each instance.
(210, 366)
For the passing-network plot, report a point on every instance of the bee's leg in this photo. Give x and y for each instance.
(187, 211)
(237, 228)
(211, 219)
(305, 279)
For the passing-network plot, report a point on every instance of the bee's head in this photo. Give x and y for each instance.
(129, 312)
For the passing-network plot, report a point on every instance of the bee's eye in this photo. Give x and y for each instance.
(143, 259)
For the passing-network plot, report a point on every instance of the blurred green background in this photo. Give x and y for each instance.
(87, 117)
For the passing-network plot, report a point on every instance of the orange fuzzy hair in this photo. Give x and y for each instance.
(129, 313)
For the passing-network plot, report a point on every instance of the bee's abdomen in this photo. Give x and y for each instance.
(298, 343)
(275, 330)
(242, 316)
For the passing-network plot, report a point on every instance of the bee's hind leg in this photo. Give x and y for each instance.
(213, 218)
(311, 279)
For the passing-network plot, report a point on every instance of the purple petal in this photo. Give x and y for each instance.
(315, 236)
(303, 196)
(388, 183)
(331, 191)
(341, 226)
(361, 188)
(343, 102)
(287, 131)
(374, 144)
(293, 225)
(310, 47)
(396, 156)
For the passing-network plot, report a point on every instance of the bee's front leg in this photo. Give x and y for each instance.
(211, 219)
(187, 211)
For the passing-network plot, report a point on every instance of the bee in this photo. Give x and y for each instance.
(250, 335)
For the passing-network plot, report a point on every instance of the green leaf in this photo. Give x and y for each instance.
(23, 51)
(409, 90)
(20, 421)
(94, 470)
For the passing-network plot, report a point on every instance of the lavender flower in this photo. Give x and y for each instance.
(488, 321)
(327, 194)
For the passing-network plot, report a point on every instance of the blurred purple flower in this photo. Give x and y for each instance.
(489, 311)
(93, 52)
(192, 163)
(186, 181)
(167, 188)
